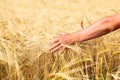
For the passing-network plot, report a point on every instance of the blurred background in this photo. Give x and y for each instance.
(27, 26)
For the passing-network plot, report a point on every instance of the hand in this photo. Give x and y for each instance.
(64, 39)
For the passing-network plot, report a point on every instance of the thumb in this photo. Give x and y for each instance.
(62, 33)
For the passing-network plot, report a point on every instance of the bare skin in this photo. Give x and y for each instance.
(97, 29)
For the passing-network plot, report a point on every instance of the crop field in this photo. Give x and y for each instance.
(27, 26)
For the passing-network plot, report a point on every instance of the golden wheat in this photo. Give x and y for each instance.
(26, 27)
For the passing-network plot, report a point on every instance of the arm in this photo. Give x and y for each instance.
(97, 29)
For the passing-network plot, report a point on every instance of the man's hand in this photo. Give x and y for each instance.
(99, 28)
(64, 39)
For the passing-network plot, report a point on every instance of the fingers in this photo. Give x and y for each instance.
(54, 41)
(62, 33)
(56, 45)
(56, 48)
(63, 48)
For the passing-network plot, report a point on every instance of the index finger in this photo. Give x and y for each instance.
(54, 41)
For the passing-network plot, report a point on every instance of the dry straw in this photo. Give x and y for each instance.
(26, 27)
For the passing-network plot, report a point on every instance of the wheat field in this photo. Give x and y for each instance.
(27, 26)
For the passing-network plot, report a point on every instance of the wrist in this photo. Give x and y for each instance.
(77, 36)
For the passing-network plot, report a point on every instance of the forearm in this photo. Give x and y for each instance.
(99, 28)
